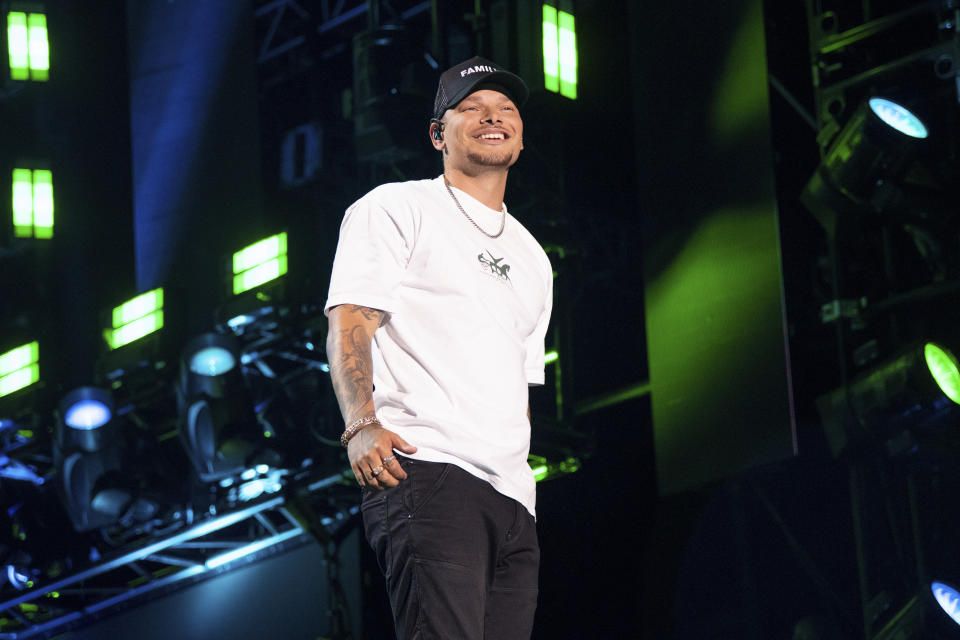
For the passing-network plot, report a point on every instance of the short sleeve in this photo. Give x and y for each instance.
(535, 351)
(372, 255)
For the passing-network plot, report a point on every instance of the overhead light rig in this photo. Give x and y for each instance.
(885, 97)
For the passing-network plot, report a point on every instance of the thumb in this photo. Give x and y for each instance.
(402, 445)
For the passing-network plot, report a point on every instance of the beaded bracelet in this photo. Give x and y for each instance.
(351, 431)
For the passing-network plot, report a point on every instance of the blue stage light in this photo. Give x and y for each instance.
(898, 117)
(87, 414)
(212, 361)
(86, 408)
(948, 598)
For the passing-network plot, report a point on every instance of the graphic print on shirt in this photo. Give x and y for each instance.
(495, 267)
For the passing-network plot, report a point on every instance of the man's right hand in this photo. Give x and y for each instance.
(371, 453)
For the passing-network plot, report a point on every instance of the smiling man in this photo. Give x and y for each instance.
(439, 303)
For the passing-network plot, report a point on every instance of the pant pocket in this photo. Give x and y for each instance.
(425, 479)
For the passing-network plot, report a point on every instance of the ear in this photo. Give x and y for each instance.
(437, 144)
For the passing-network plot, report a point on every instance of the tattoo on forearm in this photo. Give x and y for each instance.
(352, 374)
(368, 313)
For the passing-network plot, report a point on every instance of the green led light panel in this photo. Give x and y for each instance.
(135, 319)
(28, 46)
(259, 263)
(32, 203)
(550, 356)
(138, 307)
(19, 368)
(559, 52)
(540, 472)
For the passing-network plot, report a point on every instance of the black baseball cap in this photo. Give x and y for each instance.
(460, 80)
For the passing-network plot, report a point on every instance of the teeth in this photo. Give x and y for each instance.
(492, 136)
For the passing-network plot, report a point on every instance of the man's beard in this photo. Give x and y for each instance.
(492, 158)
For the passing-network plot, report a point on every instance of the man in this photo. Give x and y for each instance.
(438, 305)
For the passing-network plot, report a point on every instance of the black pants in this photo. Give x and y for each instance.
(460, 559)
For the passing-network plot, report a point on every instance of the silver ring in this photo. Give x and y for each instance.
(388, 459)
(377, 470)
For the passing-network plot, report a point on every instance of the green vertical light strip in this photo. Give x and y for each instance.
(568, 55)
(135, 319)
(551, 49)
(22, 203)
(18, 47)
(259, 263)
(32, 203)
(559, 52)
(19, 368)
(39, 47)
(43, 204)
(28, 46)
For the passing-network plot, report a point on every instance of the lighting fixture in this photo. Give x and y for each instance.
(86, 420)
(544, 469)
(89, 450)
(913, 391)
(28, 46)
(871, 153)
(559, 51)
(87, 408)
(948, 598)
(218, 427)
(898, 117)
(944, 368)
(260, 263)
(19, 368)
(32, 203)
(135, 319)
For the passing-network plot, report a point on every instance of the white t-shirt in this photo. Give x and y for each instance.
(465, 325)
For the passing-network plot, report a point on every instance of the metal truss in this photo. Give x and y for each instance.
(290, 20)
(214, 545)
(840, 67)
(273, 43)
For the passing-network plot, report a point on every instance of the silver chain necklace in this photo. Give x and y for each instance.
(503, 219)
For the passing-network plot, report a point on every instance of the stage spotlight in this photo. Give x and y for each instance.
(915, 391)
(898, 117)
(87, 408)
(86, 414)
(212, 360)
(218, 427)
(948, 598)
(89, 452)
(866, 158)
(944, 368)
(19, 577)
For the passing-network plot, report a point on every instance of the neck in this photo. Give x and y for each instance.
(488, 187)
